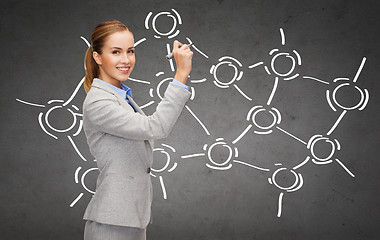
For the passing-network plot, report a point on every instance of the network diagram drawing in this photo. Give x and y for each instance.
(252, 116)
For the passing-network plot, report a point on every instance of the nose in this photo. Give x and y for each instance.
(125, 58)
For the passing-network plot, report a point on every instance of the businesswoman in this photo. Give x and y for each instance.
(120, 136)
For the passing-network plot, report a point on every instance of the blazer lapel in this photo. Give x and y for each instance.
(98, 83)
(138, 109)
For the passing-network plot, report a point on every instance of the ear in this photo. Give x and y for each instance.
(97, 58)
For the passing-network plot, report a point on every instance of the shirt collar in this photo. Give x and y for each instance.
(123, 91)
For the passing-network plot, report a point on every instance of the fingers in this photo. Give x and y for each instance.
(180, 45)
(177, 44)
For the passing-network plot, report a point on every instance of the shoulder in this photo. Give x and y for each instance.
(99, 95)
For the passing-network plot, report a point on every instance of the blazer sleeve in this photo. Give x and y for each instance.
(107, 115)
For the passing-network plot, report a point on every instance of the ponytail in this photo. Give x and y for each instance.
(92, 69)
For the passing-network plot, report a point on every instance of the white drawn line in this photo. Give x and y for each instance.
(175, 34)
(203, 126)
(366, 100)
(204, 55)
(193, 155)
(85, 40)
(51, 101)
(42, 126)
(267, 70)
(146, 105)
(140, 81)
(159, 73)
(242, 134)
(147, 19)
(273, 51)
(168, 146)
(198, 81)
(174, 167)
(75, 107)
(219, 168)
(292, 135)
(76, 149)
(299, 186)
(359, 70)
(337, 122)
(341, 79)
(240, 75)
(302, 163)
(76, 174)
(329, 100)
(252, 166)
(292, 77)
(282, 36)
(298, 57)
(76, 200)
(79, 128)
(273, 91)
(192, 93)
(74, 93)
(242, 93)
(316, 79)
(33, 104)
(280, 204)
(163, 187)
(256, 64)
(265, 132)
(139, 41)
(345, 168)
(178, 16)
(228, 57)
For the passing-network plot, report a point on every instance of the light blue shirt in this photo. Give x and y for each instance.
(124, 90)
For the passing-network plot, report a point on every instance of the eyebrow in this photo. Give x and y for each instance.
(121, 48)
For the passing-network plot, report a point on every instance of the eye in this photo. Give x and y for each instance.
(115, 52)
(131, 51)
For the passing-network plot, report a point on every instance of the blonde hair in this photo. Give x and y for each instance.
(98, 37)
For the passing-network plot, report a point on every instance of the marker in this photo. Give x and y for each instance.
(170, 56)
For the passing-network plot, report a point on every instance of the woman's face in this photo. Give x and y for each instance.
(117, 59)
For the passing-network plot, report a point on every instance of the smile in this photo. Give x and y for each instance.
(123, 69)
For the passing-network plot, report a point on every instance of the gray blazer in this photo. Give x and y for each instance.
(121, 140)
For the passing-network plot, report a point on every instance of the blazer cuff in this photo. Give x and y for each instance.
(176, 82)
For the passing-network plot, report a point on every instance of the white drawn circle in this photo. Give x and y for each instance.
(229, 64)
(267, 127)
(82, 180)
(224, 145)
(159, 86)
(167, 161)
(290, 71)
(284, 188)
(327, 141)
(169, 15)
(58, 130)
(343, 107)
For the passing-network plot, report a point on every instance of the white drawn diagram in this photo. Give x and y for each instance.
(63, 107)
(152, 23)
(168, 165)
(221, 155)
(158, 90)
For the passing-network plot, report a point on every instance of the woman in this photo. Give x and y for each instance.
(120, 136)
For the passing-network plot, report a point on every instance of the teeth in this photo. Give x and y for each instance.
(123, 68)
